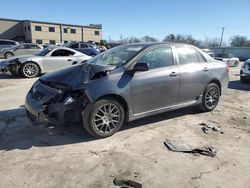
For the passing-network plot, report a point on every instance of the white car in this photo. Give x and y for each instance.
(228, 58)
(46, 60)
(245, 72)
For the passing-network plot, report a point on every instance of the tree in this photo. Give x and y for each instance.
(181, 38)
(148, 39)
(211, 42)
(240, 41)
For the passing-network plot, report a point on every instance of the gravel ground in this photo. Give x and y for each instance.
(33, 156)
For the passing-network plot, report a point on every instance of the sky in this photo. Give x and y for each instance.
(157, 18)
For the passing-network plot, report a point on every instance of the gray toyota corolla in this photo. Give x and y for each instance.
(126, 83)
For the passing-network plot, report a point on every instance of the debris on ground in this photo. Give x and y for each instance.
(180, 146)
(209, 126)
(124, 183)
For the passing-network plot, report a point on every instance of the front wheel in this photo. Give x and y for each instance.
(104, 118)
(210, 97)
(29, 70)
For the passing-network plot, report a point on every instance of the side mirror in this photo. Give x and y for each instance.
(141, 67)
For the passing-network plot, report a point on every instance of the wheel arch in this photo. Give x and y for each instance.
(39, 66)
(215, 81)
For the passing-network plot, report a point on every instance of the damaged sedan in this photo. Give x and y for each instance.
(127, 83)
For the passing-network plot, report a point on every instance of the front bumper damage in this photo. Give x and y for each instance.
(43, 106)
(4, 66)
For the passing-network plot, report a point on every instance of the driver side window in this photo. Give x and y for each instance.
(62, 53)
(158, 57)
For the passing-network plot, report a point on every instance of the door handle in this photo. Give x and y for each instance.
(205, 69)
(173, 74)
(69, 59)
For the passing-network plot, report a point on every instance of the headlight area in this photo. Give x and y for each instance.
(65, 107)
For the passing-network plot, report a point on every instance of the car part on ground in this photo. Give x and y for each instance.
(180, 146)
(124, 183)
(245, 72)
(127, 83)
(209, 126)
(46, 60)
(228, 58)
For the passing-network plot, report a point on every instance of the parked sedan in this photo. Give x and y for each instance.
(127, 83)
(228, 58)
(85, 48)
(245, 72)
(21, 49)
(48, 59)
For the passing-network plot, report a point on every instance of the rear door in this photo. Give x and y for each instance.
(159, 86)
(194, 71)
(57, 59)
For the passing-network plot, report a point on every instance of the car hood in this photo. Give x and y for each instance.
(76, 76)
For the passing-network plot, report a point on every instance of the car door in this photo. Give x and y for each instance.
(159, 86)
(21, 50)
(194, 72)
(33, 49)
(58, 58)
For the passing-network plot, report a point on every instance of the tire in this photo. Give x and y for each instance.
(236, 63)
(243, 80)
(100, 125)
(29, 70)
(14, 71)
(210, 97)
(8, 54)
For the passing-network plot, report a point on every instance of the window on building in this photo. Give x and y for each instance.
(97, 33)
(39, 41)
(51, 29)
(72, 31)
(187, 55)
(65, 30)
(28, 28)
(38, 28)
(158, 57)
(24, 29)
(52, 42)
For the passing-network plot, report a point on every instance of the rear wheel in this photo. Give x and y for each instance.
(104, 118)
(29, 70)
(210, 97)
(8, 54)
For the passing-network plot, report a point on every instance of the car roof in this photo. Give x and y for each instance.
(148, 44)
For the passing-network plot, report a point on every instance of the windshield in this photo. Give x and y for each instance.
(44, 52)
(117, 56)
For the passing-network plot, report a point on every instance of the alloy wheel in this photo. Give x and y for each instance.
(107, 118)
(30, 70)
(212, 97)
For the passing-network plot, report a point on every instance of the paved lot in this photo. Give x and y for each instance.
(38, 157)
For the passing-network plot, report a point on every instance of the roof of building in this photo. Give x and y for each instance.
(94, 26)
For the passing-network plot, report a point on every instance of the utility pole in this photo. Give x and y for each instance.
(121, 38)
(222, 33)
(109, 39)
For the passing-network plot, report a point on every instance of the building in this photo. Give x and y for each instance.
(48, 32)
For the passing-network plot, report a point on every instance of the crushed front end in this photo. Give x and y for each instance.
(54, 103)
